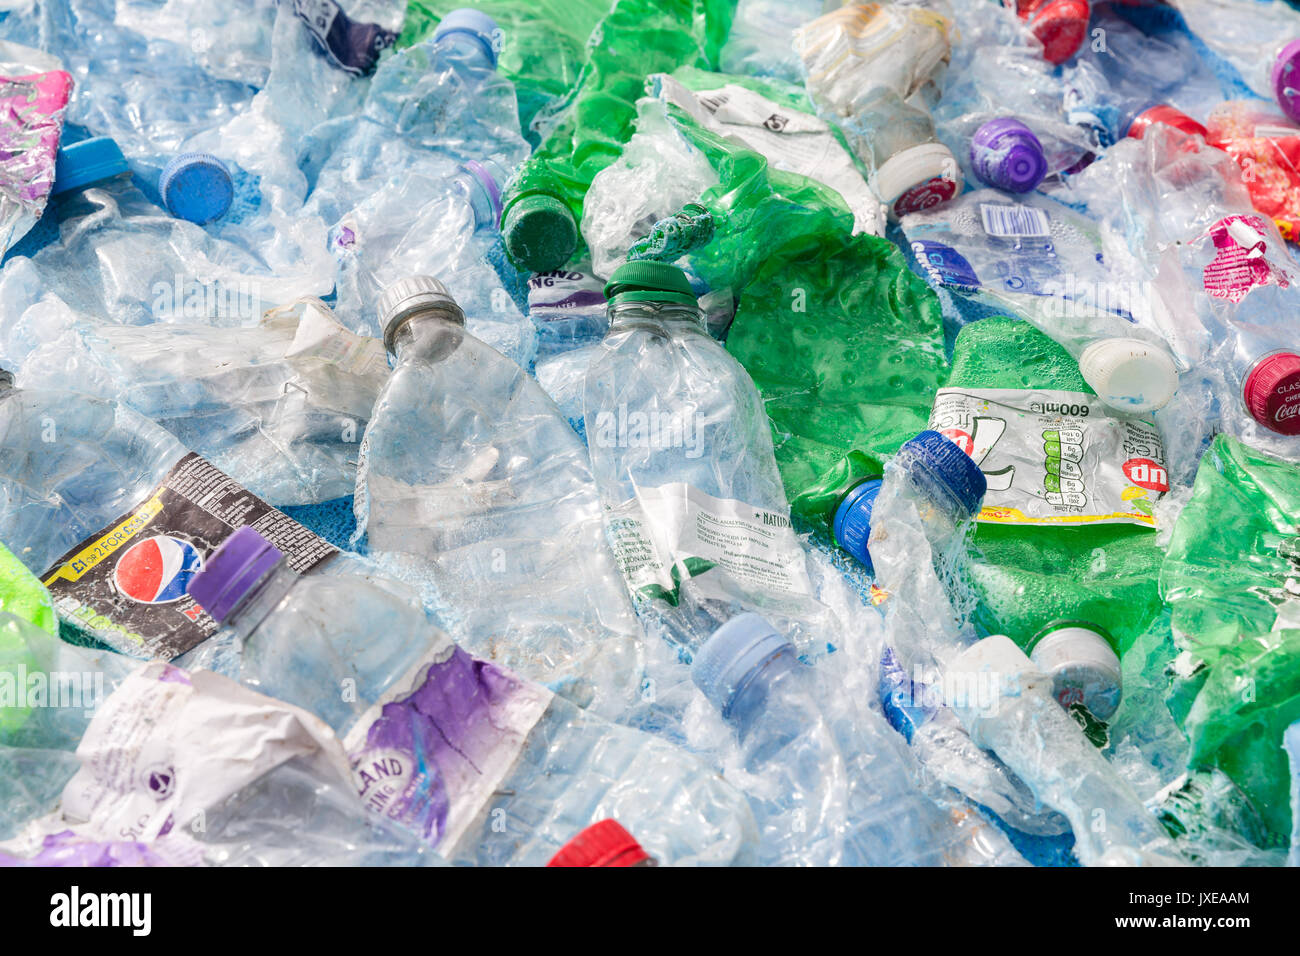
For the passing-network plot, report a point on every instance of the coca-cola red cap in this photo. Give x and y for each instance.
(602, 844)
(1272, 393)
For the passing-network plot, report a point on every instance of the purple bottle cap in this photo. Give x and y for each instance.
(1286, 79)
(232, 571)
(1006, 154)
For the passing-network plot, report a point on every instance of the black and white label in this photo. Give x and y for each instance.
(126, 585)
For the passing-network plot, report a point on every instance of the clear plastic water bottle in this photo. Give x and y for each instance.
(874, 70)
(1035, 258)
(488, 768)
(816, 803)
(682, 453)
(151, 266)
(494, 497)
(411, 182)
(280, 797)
(282, 406)
(1007, 705)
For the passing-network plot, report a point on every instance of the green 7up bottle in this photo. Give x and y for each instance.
(1064, 558)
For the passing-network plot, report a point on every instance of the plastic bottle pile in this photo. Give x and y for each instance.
(650, 432)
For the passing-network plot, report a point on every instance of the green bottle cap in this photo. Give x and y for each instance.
(649, 281)
(540, 232)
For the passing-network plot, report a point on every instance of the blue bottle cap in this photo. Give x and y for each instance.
(737, 652)
(949, 465)
(474, 23)
(852, 525)
(90, 161)
(197, 187)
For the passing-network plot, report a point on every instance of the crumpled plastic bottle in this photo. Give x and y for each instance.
(875, 70)
(152, 267)
(680, 444)
(266, 783)
(411, 183)
(496, 497)
(815, 804)
(987, 253)
(688, 182)
(283, 404)
(543, 202)
(846, 347)
(444, 744)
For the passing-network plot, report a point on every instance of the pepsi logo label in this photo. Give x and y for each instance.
(157, 570)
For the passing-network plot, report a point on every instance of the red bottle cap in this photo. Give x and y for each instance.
(1272, 393)
(1061, 25)
(601, 844)
(1169, 117)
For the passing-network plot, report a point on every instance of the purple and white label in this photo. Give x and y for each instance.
(432, 754)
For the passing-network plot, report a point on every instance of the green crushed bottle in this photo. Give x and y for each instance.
(1064, 558)
(22, 595)
(1233, 564)
(542, 205)
(543, 43)
(1249, 699)
(845, 345)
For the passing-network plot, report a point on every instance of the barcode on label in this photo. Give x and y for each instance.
(1014, 220)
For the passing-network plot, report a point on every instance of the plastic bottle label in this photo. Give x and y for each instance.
(167, 745)
(432, 752)
(791, 140)
(1055, 458)
(126, 584)
(1019, 221)
(675, 531)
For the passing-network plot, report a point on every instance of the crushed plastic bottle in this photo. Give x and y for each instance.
(680, 445)
(438, 741)
(496, 497)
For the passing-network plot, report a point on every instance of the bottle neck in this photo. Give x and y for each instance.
(428, 336)
(261, 599)
(753, 700)
(671, 318)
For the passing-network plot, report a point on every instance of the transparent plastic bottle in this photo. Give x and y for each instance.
(815, 803)
(450, 746)
(267, 787)
(1261, 38)
(473, 486)
(1007, 705)
(874, 69)
(681, 449)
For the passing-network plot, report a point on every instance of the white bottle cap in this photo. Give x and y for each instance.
(1083, 666)
(1129, 375)
(917, 178)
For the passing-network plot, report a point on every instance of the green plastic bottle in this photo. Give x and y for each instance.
(1064, 558)
(22, 595)
(543, 43)
(542, 205)
(1233, 565)
(845, 345)
(1250, 697)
